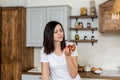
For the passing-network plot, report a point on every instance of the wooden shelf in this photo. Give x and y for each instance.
(83, 28)
(78, 16)
(84, 41)
(92, 29)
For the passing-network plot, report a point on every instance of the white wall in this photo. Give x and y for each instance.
(105, 53)
(8, 3)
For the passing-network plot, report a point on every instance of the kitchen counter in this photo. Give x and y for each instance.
(107, 76)
(31, 73)
(103, 75)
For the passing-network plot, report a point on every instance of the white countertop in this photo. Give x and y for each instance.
(110, 73)
(36, 70)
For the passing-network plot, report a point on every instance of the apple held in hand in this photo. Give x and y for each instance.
(71, 47)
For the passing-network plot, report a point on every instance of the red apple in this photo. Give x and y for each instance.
(71, 47)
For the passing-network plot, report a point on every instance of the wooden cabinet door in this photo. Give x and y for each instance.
(11, 71)
(15, 56)
(0, 36)
(10, 38)
(10, 49)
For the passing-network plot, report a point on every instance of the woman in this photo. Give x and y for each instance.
(58, 62)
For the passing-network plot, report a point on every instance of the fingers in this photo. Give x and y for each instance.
(71, 47)
(67, 51)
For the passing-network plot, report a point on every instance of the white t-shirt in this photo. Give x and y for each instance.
(58, 65)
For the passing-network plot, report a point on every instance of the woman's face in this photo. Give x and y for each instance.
(58, 33)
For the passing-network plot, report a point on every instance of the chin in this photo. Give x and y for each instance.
(59, 40)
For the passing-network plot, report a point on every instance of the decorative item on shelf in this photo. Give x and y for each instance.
(88, 25)
(81, 68)
(87, 68)
(76, 36)
(92, 8)
(83, 11)
(92, 38)
(80, 24)
(85, 38)
(76, 23)
(116, 10)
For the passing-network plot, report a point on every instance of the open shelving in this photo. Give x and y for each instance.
(84, 29)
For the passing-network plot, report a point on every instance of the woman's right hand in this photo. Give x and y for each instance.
(67, 51)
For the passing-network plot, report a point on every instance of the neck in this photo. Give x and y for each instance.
(57, 45)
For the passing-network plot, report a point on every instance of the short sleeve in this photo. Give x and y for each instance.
(43, 56)
(75, 53)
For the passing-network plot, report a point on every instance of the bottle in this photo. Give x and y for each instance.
(85, 37)
(80, 24)
(76, 23)
(88, 25)
(92, 37)
(92, 8)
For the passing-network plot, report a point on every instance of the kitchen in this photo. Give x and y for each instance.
(104, 53)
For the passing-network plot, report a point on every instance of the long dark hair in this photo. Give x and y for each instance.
(48, 41)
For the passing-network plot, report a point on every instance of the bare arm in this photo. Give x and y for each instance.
(72, 64)
(45, 70)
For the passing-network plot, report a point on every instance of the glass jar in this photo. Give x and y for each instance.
(80, 24)
(87, 68)
(88, 25)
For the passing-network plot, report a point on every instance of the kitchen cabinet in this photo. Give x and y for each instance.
(83, 29)
(106, 24)
(13, 50)
(37, 17)
(31, 77)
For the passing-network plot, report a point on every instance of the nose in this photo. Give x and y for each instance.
(59, 33)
